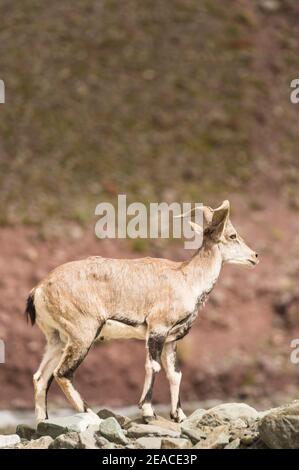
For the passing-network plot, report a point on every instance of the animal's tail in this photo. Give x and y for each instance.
(30, 311)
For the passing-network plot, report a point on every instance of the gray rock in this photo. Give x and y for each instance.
(70, 440)
(194, 434)
(100, 440)
(217, 439)
(140, 430)
(77, 423)
(42, 443)
(104, 413)
(149, 442)
(259, 444)
(25, 431)
(112, 445)
(175, 443)
(9, 440)
(111, 429)
(83, 440)
(233, 444)
(279, 429)
(239, 423)
(228, 412)
(166, 424)
(88, 440)
(194, 418)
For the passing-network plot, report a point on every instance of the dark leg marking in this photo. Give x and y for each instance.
(155, 346)
(46, 395)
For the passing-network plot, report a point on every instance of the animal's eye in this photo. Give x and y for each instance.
(233, 236)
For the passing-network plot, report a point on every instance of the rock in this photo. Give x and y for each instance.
(84, 440)
(149, 442)
(104, 413)
(195, 434)
(77, 423)
(112, 445)
(41, 443)
(233, 444)
(259, 444)
(217, 439)
(166, 424)
(194, 418)
(248, 438)
(239, 423)
(111, 429)
(147, 430)
(25, 431)
(9, 440)
(212, 419)
(100, 441)
(228, 412)
(175, 443)
(88, 440)
(66, 441)
(279, 429)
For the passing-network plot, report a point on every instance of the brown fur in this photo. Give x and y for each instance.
(152, 299)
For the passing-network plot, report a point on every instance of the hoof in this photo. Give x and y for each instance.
(178, 417)
(148, 419)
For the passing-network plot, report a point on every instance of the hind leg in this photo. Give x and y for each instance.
(44, 375)
(74, 353)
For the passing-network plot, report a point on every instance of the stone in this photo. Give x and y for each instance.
(248, 438)
(77, 423)
(239, 423)
(175, 443)
(233, 444)
(194, 434)
(41, 443)
(228, 412)
(100, 440)
(166, 424)
(279, 429)
(149, 442)
(217, 439)
(105, 413)
(111, 430)
(140, 430)
(194, 418)
(66, 441)
(25, 431)
(87, 440)
(112, 445)
(9, 440)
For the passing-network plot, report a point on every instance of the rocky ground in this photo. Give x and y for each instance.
(226, 426)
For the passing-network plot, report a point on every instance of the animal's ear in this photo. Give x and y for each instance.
(219, 220)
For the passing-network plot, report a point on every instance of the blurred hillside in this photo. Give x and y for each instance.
(177, 99)
(184, 100)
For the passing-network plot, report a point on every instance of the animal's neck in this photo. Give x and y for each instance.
(203, 269)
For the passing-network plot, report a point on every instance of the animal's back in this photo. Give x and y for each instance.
(124, 289)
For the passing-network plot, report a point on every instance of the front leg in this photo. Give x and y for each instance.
(174, 375)
(154, 345)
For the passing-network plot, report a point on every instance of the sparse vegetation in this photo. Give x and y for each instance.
(106, 98)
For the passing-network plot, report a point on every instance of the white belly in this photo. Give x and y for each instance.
(117, 330)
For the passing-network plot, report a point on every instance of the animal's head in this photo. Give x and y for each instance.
(218, 230)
